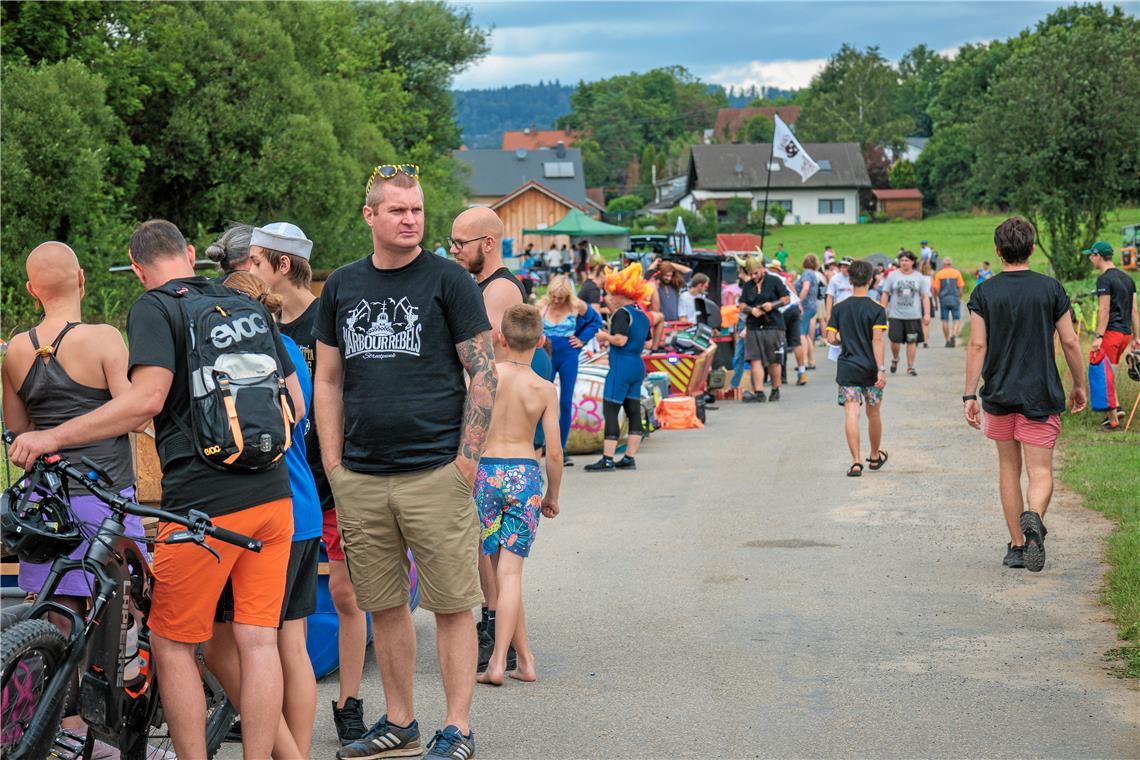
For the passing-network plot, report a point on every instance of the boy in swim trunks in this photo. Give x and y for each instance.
(508, 486)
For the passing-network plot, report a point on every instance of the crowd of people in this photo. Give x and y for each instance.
(420, 399)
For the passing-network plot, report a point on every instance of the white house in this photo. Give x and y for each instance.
(831, 196)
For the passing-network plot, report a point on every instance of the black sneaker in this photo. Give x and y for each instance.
(605, 464)
(774, 395)
(1014, 556)
(234, 733)
(384, 739)
(567, 461)
(758, 398)
(512, 658)
(1034, 531)
(349, 720)
(748, 396)
(953, 341)
(450, 743)
(486, 647)
(626, 463)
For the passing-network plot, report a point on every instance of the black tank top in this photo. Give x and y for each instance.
(502, 273)
(52, 398)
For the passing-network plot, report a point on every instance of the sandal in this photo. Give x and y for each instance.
(877, 464)
(855, 470)
(910, 371)
(894, 366)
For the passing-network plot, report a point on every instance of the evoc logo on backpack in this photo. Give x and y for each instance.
(240, 414)
(226, 334)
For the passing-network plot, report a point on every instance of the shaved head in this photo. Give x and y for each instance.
(483, 231)
(53, 271)
(479, 221)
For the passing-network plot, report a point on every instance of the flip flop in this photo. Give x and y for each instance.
(855, 473)
(877, 464)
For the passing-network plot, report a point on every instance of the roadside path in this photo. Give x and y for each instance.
(739, 597)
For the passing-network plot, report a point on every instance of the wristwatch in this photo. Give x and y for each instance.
(882, 369)
(970, 397)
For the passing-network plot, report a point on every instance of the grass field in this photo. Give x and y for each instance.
(967, 239)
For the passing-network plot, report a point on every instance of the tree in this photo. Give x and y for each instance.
(709, 217)
(945, 170)
(1061, 149)
(903, 174)
(758, 129)
(855, 99)
(778, 214)
(737, 210)
(920, 70)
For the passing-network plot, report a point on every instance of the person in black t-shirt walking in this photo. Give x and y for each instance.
(764, 346)
(1013, 317)
(858, 325)
(401, 435)
(1117, 320)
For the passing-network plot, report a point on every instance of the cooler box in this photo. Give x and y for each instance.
(660, 381)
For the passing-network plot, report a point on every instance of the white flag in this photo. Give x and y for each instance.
(785, 146)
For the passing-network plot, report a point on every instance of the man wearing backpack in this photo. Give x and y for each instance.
(256, 502)
(401, 435)
(947, 288)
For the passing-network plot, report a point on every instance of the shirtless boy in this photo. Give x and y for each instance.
(508, 487)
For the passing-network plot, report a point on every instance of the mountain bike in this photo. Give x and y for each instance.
(118, 696)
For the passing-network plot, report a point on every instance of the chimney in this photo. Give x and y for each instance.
(560, 151)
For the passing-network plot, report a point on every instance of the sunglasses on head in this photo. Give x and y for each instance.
(387, 171)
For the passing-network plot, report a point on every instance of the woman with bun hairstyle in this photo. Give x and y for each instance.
(231, 250)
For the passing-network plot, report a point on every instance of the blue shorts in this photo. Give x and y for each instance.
(946, 309)
(508, 495)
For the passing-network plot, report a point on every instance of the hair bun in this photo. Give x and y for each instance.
(216, 253)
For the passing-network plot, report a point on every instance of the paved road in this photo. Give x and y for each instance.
(739, 597)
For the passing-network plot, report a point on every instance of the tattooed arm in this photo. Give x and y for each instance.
(478, 358)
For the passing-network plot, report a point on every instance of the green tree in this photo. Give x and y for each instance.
(737, 210)
(920, 70)
(1061, 149)
(710, 221)
(758, 129)
(903, 174)
(855, 99)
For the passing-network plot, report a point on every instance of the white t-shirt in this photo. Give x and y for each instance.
(927, 252)
(687, 307)
(553, 258)
(839, 288)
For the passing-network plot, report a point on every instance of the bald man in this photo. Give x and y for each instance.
(58, 370)
(477, 243)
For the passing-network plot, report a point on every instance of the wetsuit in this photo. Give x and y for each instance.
(565, 359)
(627, 370)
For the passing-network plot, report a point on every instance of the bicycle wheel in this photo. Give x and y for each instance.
(30, 653)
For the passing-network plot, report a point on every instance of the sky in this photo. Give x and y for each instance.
(775, 44)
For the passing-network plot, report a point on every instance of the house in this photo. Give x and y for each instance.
(903, 203)
(536, 139)
(830, 196)
(729, 121)
(528, 189)
(910, 151)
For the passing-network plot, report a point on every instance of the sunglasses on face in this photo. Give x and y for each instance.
(387, 171)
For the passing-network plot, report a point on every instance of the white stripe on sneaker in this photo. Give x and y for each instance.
(463, 751)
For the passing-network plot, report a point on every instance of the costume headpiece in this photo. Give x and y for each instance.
(629, 283)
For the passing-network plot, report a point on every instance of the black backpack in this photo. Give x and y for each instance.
(241, 417)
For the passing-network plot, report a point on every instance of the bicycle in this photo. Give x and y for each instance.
(40, 664)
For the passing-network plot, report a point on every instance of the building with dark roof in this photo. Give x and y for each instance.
(729, 121)
(718, 173)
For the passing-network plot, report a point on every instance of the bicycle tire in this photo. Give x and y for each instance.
(25, 642)
(14, 614)
(218, 723)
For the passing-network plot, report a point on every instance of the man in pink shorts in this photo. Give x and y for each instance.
(1013, 316)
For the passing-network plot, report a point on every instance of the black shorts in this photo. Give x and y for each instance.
(764, 345)
(792, 319)
(300, 584)
(905, 330)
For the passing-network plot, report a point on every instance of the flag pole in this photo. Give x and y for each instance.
(767, 188)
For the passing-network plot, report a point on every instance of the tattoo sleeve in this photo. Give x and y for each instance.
(478, 357)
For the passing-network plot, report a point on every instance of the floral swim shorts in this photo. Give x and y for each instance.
(508, 494)
(869, 393)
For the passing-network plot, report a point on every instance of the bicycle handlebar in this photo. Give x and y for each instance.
(195, 521)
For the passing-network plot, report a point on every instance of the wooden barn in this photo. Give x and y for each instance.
(904, 203)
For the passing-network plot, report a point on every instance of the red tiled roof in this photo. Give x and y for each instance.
(534, 139)
(908, 194)
(729, 121)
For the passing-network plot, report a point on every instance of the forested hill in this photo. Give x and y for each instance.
(483, 115)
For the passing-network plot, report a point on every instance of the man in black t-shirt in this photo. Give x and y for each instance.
(188, 580)
(762, 296)
(1118, 322)
(401, 435)
(858, 325)
(591, 289)
(1013, 318)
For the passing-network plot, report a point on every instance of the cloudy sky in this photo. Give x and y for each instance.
(778, 44)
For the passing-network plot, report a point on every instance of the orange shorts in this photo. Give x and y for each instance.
(188, 579)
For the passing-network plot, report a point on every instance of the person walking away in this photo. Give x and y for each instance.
(1013, 318)
(927, 273)
(569, 324)
(58, 370)
(948, 286)
(1118, 324)
(628, 331)
(187, 580)
(282, 261)
(295, 730)
(764, 346)
(793, 316)
(808, 288)
(477, 240)
(508, 488)
(857, 325)
(401, 435)
(906, 299)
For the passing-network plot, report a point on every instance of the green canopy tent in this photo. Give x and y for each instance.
(578, 225)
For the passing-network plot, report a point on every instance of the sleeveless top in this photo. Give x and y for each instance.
(502, 273)
(52, 398)
(639, 329)
(563, 329)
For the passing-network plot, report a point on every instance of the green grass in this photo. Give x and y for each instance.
(1105, 469)
(968, 239)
